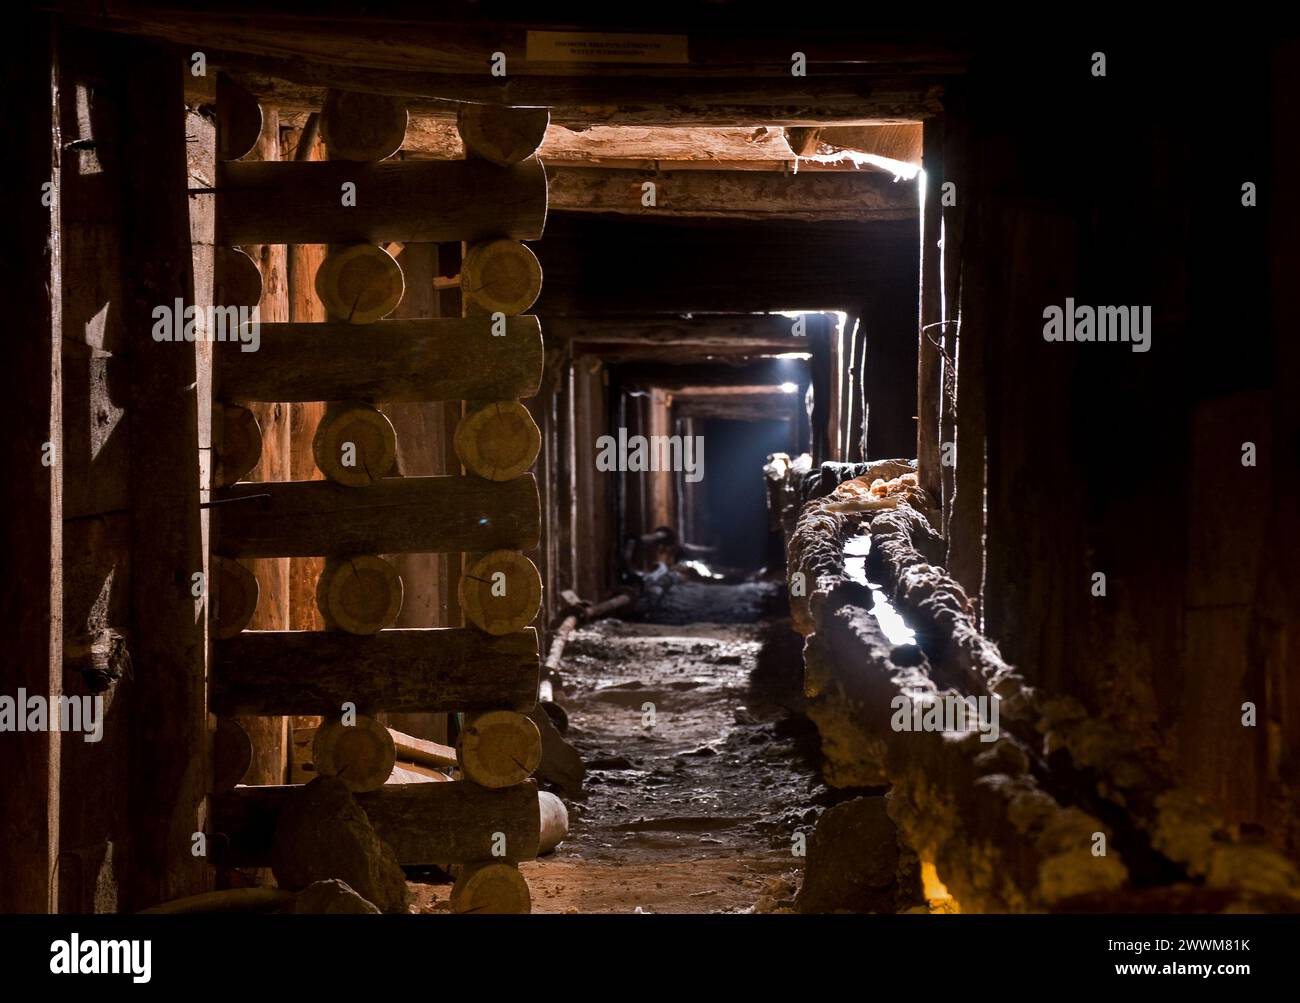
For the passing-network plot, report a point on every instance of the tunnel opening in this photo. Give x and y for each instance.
(647, 479)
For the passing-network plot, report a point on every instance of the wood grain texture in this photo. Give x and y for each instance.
(33, 530)
(423, 823)
(425, 200)
(395, 515)
(360, 126)
(315, 672)
(392, 361)
(861, 196)
(501, 134)
(167, 792)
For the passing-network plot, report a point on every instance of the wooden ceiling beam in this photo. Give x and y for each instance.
(299, 85)
(667, 376)
(407, 38)
(702, 330)
(637, 148)
(860, 196)
(641, 265)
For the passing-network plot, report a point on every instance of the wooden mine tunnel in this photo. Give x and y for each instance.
(363, 364)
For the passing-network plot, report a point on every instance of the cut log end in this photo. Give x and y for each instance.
(500, 592)
(500, 276)
(500, 134)
(499, 441)
(359, 283)
(239, 280)
(360, 594)
(361, 126)
(234, 599)
(355, 444)
(499, 748)
(491, 889)
(240, 446)
(554, 822)
(362, 754)
(239, 120)
(232, 754)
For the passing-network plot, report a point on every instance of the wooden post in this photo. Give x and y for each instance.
(269, 736)
(33, 524)
(889, 360)
(965, 531)
(819, 343)
(167, 792)
(424, 432)
(304, 416)
(930, 365)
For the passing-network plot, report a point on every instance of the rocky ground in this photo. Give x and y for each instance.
(701, 769)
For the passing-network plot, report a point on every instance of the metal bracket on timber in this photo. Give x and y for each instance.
(455, 822)
(428, 670)
(392, 361)
(395, 515)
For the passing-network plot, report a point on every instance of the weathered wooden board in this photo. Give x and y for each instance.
(305, 202)
(395, 515)
(447, 823)
(390, 361)
(418, 670)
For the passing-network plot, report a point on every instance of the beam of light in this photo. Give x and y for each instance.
(901, 169)
(789, 388)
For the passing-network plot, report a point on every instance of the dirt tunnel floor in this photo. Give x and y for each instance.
(693, 808)
(698, 772)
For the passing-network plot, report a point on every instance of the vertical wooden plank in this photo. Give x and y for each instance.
(820, 367)
(1275, 632)
(660, 481)
(423, 444)
(838, 374)
(889, 358)
(929, 368)
(169, 755)
(269, 735)
(566, 479)
(853, 430)
(424, 435)
(32, 583)
(590, 525)
(302, 260)
(964, 296)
